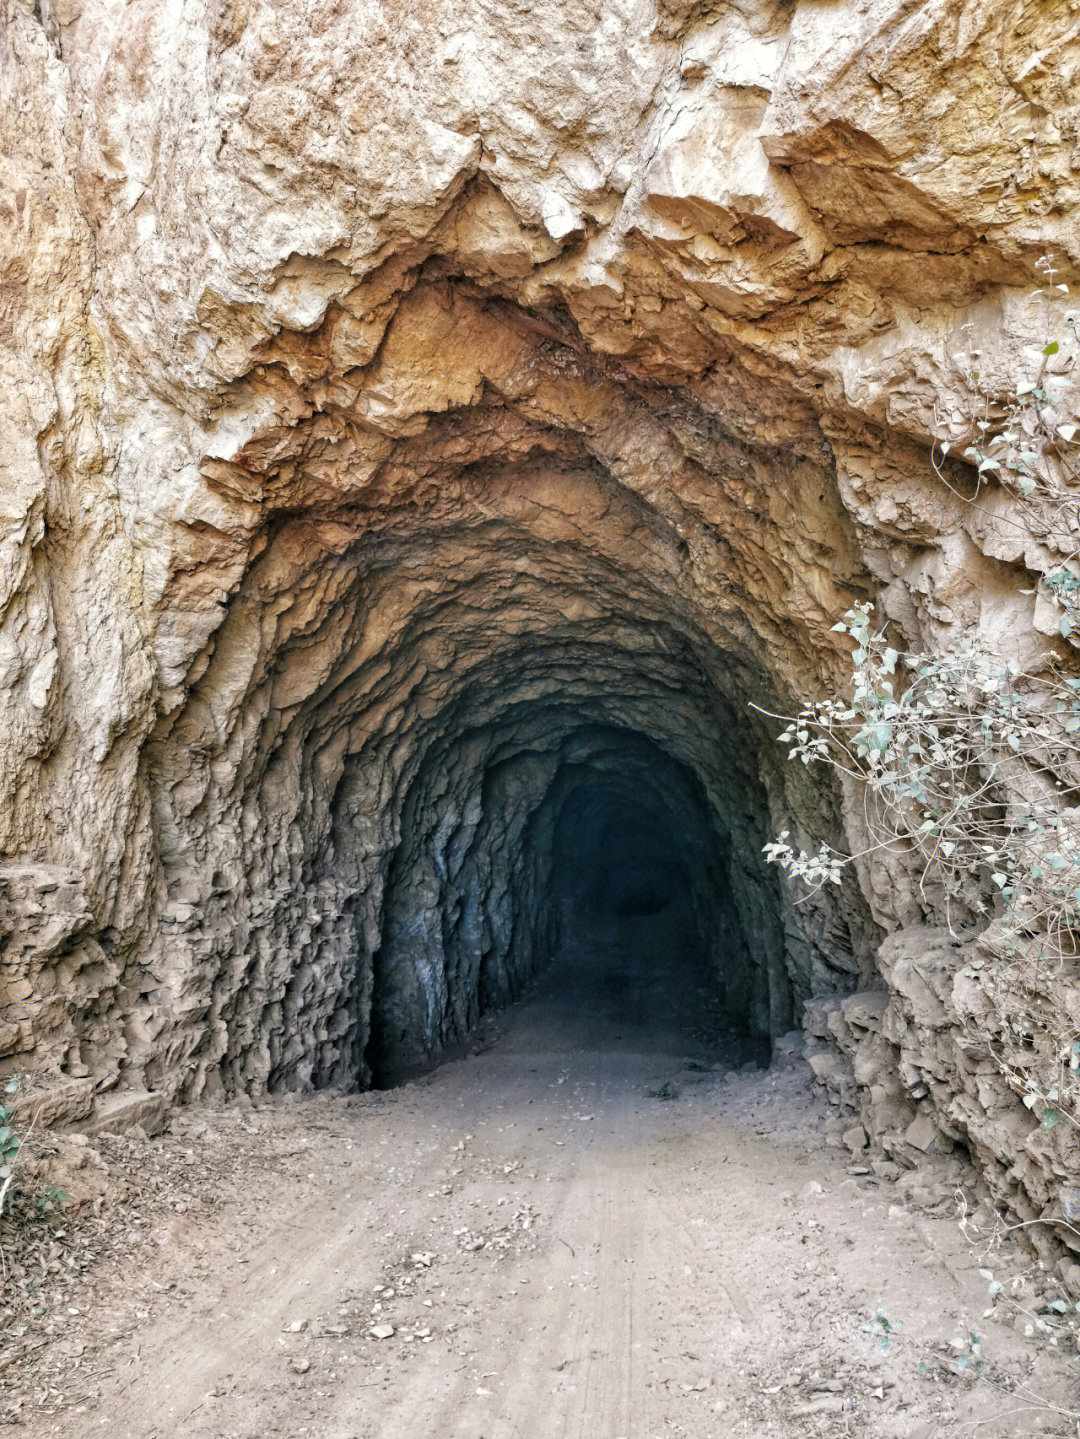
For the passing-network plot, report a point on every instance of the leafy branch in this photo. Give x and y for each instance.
(968, 763)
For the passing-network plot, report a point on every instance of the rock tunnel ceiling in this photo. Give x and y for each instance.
(427, 436)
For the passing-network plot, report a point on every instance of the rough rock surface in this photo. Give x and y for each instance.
(425, 434)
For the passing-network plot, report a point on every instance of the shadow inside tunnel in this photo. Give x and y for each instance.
(631, 983)
(617, 923)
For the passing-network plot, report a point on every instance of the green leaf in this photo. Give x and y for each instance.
(1052, 348)
(1065, 626)
(1050, 1117)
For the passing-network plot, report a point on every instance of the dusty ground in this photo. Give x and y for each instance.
(579, 1232)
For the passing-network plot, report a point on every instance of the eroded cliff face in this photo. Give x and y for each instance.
(426, 434)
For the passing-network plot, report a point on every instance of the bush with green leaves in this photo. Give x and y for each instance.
(13, 1147)
(970, 764)
(10, 1143)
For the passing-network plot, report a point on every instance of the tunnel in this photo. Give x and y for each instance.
(491, 788)
(585, 847)
(489, 692)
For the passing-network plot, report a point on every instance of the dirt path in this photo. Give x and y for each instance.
(575, 1234)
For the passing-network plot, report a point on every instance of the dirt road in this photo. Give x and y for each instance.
(579, 1233)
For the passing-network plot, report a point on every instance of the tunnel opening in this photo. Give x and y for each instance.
(633, 887)
(439, 785)
(617, 860)
(479, 613)
(592, 862)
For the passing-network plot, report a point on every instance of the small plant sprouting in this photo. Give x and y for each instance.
(52, 1198)
(882, 1328)
(967, 1352)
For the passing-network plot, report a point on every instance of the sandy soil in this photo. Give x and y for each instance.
(588, 1230)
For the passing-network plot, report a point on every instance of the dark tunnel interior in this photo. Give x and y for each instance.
(590, 865)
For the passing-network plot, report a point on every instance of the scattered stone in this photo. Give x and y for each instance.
(823, 1404)
(923, 1133)
(855, 1139)
(788, 1048)
(885, 1168)
(825, 1064)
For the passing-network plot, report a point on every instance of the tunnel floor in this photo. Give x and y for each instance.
(628, 984)
(625, 984)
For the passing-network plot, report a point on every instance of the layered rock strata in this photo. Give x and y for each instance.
(426, 435)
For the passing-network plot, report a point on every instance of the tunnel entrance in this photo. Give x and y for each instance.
(455, 563)
(630, 967)
(483, 686)
(595, 863)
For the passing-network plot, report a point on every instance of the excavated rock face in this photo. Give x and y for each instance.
(427, 434)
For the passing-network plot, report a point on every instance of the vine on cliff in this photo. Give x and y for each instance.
(972, 763)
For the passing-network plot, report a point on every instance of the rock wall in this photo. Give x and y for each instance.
(413, 418)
